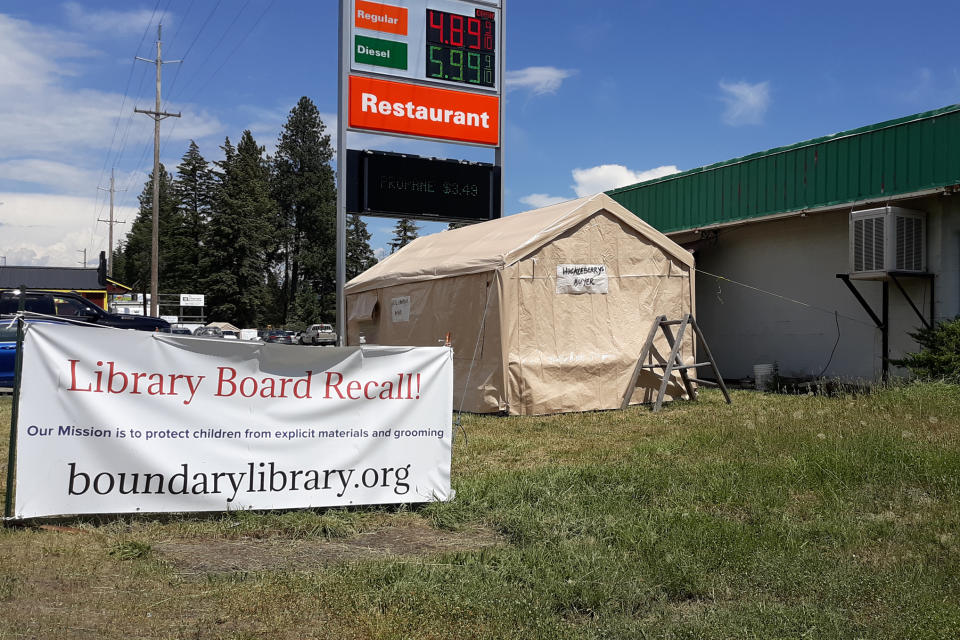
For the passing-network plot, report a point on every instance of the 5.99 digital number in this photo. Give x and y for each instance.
(470, 67)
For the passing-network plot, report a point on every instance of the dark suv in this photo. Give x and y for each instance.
(72, 306)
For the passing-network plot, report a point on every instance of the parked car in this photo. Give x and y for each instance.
(181, 331)
(73, 306)
(319, 334)
(8, 349)
(279, 336)
(230, 334)
(208, 332)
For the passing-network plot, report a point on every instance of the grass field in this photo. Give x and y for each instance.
(776, 517)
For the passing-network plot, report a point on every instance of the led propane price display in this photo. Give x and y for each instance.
(447, 42)
(461, 48)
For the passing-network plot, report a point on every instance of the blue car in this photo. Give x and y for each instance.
(8, 354)
(8, 349)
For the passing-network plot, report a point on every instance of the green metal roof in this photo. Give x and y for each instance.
(896, 157)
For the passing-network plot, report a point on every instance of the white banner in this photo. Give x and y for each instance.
(115, 421)
(192, 299)
(581, 278)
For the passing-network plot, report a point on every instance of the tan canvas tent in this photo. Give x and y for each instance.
(547, 310)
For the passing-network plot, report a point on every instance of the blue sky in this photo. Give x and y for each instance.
(598, 94)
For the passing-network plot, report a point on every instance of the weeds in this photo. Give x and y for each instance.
(831, 515)
(131, 550)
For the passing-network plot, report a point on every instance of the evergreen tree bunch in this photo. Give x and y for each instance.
(195, 191)
(939, 355)
(304, 189)
(360, 256)
(239, 235)
(405, 232)
(139, 242)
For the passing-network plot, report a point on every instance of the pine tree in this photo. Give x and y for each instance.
(240, 236)
(405, 232)
(139, 241)
(195, 191)
(119, 261)
(360, 256)
(304, 189)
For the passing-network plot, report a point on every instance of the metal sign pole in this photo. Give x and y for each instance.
(342, 109)
(14, 412)
(498, 154)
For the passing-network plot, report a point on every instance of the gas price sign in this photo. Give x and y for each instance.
(447, 42)
(461, 48)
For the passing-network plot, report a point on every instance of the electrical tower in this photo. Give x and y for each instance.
(110, 224)
(157, 116)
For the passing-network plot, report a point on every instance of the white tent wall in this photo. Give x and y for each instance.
(437, 307)
(542, 350)
(576, 352)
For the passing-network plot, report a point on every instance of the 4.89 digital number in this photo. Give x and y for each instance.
(455, 30)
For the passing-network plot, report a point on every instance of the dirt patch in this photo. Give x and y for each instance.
(224, 556)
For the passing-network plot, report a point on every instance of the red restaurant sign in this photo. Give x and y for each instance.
(415, 110)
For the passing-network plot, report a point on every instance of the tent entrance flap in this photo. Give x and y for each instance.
(363, 308)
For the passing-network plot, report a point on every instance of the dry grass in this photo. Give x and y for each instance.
(779, 516)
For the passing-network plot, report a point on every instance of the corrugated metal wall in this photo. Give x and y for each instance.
(891, 158)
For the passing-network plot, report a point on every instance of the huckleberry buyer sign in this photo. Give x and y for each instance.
(117, 421)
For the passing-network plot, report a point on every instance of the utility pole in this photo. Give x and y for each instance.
(110, 224)
(84, 252)
(157, 116)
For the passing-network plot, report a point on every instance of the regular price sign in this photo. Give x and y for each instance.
(124, 421)
(424, 68)
(445, 42)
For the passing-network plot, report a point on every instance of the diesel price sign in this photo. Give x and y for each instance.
(399, 185)
(439, 42)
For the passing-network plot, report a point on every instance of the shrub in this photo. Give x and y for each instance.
(939, 355)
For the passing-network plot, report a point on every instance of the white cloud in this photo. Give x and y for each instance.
(113, 22)
(598, 179)
(39, 116)
(610, 176)
(537, 200)
(29, 56)
(380, 253)
(539, 80)
(53, 139)
(746, 103)
(49, 173)
(52, 230)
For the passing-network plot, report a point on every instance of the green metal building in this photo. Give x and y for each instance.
(781, 252)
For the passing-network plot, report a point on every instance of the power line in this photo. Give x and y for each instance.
(831, 312)
(176, 74)
(236, 47)
(116, 127)
(240, 43)
(222, 36)
(126, 90)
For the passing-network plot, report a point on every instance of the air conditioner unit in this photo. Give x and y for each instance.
(888, 239)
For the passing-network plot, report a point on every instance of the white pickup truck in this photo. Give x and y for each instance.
(319, 334)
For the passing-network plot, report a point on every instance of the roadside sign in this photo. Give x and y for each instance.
(400, 185)
(445, 42)
(428, 69)
(421, 111)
